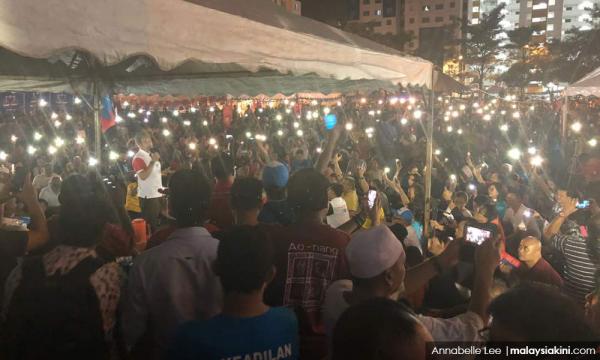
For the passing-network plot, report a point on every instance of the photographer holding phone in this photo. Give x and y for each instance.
(569, 237)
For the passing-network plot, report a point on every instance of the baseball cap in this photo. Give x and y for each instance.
(371, 252)
(275, 174)
(403, 213)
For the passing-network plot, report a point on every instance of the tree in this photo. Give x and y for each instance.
(480, 43)
(367, 30)
(578, 53)
(525, 62)
(439, 43)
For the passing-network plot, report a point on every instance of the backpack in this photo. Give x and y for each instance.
(56, 316)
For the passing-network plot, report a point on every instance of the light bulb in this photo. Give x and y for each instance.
(296, 124)
(113, 156)
(131, 115)
(504, 127)
(278, 117)
(438, 152)
(125, 103)
(403, 121)
(57, 123)
(532, 150)
(51, 150)
(280, 132)
(92, 161)
(514, 154)
(536, 161)
(175, 113)
(118, 118)
(212, 141)
(193, 110)
(3, 156)
(166, 132)
(205, 123)
(164, 120)
(300, 133)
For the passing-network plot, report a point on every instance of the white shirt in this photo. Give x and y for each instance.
(340, 213)
(50, 196)
(522, 220)
(149, 188)
(464, 327)
(171, 284)
(40, 181)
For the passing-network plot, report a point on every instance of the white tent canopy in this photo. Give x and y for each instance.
(224, 35)
(589, 85)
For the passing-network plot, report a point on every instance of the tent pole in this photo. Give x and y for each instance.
(429, 160)
(564, 119)
(97, 126)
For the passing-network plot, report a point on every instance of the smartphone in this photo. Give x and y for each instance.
(372, 195)
(18, 179)
(330, 120)
(476, 235)
(583, 204)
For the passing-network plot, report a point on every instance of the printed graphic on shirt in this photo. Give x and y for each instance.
(283, 352)
(311, 270)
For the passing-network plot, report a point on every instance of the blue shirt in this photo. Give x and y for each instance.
(271, 336)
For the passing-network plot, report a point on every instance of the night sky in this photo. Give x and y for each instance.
(324, 10)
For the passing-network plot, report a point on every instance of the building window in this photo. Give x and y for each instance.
(550, 14)
(411, 20)
(475, 9)
(425, 20)
(568, 20)
(426, 8)
(365, 13)
(439, 19)
(452, 5)
(388, 21)
(439, 6)
(551, 2)
(550, 27)
(569, 8)
(474, 21)
(378, 12)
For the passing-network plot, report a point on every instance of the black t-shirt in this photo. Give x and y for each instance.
(13, 244)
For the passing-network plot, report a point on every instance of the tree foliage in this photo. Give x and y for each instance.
(480, 43)
(578, 53)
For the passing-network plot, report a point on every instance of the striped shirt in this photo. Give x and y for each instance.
(579, 267)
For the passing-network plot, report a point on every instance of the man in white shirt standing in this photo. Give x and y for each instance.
(146, 165)
(519, 215)
(51, 192)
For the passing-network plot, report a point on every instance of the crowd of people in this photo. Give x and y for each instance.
(278, 237)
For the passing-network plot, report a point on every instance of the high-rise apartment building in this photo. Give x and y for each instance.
(293, 6)
(550, 19)
(384, 14)
(423, 18)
